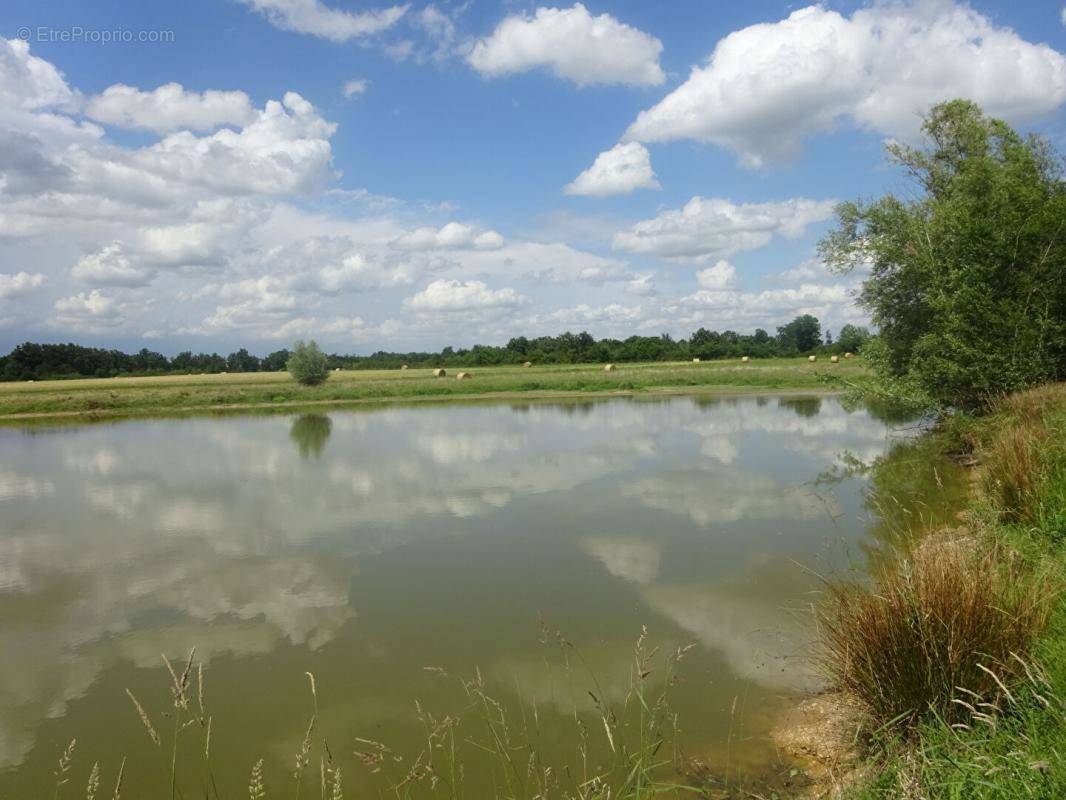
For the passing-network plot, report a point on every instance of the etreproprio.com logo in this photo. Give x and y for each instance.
(75, 34)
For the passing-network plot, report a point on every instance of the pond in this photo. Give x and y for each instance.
(392, 552)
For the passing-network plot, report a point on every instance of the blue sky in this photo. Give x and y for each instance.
(408, 176)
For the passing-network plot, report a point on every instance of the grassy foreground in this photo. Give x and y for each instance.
(959, 651)
(264, 390)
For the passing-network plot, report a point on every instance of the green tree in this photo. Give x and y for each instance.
(276, 361)
(242, 361)
(968, 276)
(851, 338)
(519, 344)
(803, 333)
(307, 364)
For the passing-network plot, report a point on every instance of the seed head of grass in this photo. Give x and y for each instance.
(117, 794)
(65, 759)
(179, 685)
(144, 718)
(256, 789)
(94, 782)
(303, 755)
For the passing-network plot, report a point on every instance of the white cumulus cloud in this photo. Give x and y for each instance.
(29, 82)
(641, 285)
(451, 295)
(620, 170)
(19, 284)
(317, 19)
(169, 107)
(111, 266)
(453, 236)
(32, 91)
(286, 149)
(573, 45)
(715, 227)
(91, 312)
(355, 87)
(833, 304)
(721, 276)
(768, 86)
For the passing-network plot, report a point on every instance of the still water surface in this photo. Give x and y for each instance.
(365, 546)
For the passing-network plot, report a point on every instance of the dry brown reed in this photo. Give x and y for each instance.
(939, 626)
(1013, 471)
(1017, 458)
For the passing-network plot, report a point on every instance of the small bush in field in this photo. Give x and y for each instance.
(307, 364)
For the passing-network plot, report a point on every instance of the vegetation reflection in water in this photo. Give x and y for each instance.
(409, 555)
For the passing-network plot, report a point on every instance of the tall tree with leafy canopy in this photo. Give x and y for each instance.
(852, 338)
(967, 276)
(804, 333)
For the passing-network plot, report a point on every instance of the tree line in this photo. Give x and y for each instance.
(32, 361)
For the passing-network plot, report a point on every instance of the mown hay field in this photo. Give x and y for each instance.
(182, 393)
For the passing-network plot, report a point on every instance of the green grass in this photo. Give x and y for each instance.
(191, 393)
(1015, 746)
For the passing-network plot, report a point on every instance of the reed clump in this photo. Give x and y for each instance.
(1013, 475)
(941, 632)
(1023, 452)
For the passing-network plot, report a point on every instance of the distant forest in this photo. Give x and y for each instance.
(804, 334)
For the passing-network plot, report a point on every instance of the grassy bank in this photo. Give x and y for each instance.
(264, 390)
(958, 650)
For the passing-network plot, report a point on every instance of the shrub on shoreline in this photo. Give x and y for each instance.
(937, 633)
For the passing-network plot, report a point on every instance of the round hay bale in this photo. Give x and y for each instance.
(695, 361)
(439, 373)
(403, 366)
(528, 364)
(812, 359)
(745, 359)
(464, 376)
(849, 355)
(336, 369)
(834, 359)
(609, 367)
